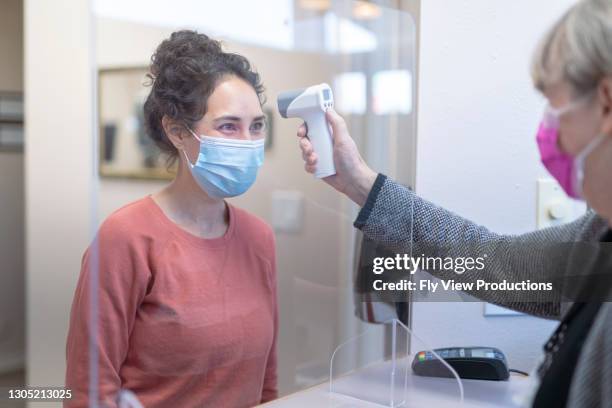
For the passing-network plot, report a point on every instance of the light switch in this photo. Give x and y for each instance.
(287, 211)
(554, 206)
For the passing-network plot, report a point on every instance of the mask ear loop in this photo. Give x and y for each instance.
(553, 115)
(191, 165)
(193, 133)
(580, 160)
(551, 118)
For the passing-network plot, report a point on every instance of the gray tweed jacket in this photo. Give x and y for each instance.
(396, 217)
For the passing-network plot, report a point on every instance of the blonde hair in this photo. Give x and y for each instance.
(578, 48)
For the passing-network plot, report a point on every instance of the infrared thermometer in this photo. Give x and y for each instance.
(310, 105)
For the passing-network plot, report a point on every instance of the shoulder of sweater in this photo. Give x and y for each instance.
(253, 228)
(127, 223)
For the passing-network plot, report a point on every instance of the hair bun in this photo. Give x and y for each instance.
(183, 45)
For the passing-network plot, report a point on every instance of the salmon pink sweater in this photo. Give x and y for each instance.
(182, 321)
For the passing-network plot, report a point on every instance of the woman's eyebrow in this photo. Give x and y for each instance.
(227, 117)
(236, 118)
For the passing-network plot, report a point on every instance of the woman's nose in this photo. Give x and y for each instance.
(250, 135)
(246, 134)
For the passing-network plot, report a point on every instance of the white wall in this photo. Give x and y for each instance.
(58, 167)
(12, 297)
(478, 115)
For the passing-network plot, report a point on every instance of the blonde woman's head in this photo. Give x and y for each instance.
(578, 48)
(572, 67)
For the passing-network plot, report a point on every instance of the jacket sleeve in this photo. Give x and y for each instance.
(395, 217)
(592, 381)
(121, 286)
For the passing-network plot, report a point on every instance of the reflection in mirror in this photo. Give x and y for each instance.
(125, 149)
(203, 303)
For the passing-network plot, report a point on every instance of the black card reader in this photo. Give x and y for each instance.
(477, 363)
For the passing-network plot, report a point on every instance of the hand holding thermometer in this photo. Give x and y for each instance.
(310, 105)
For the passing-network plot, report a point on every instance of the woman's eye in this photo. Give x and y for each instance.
(257, 127)
(227, 127)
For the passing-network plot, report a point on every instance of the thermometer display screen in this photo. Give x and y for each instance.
(488, 353)
(326, 94)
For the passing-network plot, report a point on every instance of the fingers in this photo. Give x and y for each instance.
(308, 153)
(311, 159)
(302, 131)
(306, 146)
(310, 168)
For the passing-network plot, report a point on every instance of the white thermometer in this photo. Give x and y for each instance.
(310, 105)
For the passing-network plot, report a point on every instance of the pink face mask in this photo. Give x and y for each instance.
(567, 170)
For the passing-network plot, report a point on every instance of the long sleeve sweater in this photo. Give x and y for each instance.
(182, 321)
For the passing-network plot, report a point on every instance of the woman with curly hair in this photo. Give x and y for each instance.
(187, 310)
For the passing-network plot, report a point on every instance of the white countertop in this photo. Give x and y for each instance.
(372, 383)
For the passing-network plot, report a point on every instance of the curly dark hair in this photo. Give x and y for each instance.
(185, 70)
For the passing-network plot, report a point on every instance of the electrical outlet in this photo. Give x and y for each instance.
(287, 211)
(554, 207)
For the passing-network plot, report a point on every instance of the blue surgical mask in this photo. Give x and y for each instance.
(226, 167)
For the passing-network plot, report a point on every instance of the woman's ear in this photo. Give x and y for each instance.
(175, 131)
(605, 99)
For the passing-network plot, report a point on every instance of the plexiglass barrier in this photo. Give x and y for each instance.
(168, 324)
(399, 378)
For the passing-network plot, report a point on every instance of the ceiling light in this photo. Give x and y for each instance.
(366, 10)
(316, 5)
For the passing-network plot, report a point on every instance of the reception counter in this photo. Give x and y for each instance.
(421, 392)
